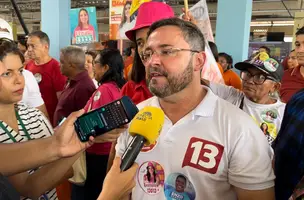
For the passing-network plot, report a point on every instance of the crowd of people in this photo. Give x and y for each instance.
(238, 140)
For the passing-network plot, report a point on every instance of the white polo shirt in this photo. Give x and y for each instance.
(213, 147)
(31, 94)
(267, 116)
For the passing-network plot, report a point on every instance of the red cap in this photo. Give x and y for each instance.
(148, 13)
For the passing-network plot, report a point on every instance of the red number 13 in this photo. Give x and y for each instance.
(203, 155)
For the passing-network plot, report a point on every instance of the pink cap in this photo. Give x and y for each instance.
(150, 164)
(148, 13)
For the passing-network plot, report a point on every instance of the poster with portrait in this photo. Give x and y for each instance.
(123, 16)
(84, 27)
(200, 12)
(120, 20)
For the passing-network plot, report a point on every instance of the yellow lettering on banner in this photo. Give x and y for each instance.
(135, 5)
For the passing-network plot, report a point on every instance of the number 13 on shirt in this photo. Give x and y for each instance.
(203, 155)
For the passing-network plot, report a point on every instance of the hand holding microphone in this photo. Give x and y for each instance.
(145, 128)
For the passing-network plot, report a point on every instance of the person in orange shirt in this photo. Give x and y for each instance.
(128, 62)
(230, 77)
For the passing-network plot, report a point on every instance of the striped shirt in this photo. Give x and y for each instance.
(37, 126)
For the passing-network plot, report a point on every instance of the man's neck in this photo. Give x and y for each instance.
(180, 104)
(75, 73)
(42, 60)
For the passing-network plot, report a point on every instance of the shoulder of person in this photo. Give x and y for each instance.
(29, 112)
(53, 61)
(107, 86)
(128, 88)
(30, 64)
(27, 73)
(86, 87)
(234, 115)
(129, 85)
(23, 108)
(148, 102)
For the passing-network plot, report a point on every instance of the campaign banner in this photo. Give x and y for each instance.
(123, 17)
(120, 19)
(84, 27)
(200, 12)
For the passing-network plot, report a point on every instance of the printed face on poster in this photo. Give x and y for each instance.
(120, 19)
(123, 17)
(84, 27)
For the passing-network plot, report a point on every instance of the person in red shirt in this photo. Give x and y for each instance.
(108, 67)
(293, 79)
(148, 13)
(45, 69)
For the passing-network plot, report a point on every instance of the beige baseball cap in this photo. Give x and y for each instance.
(5, 30)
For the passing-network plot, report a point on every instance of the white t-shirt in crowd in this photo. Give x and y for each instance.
(95, 82)
(267, 116)
(37, 127)
(214, 147)
(31, 94)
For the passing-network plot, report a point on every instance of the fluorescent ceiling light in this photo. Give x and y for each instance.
(288, 39)
(272, 23)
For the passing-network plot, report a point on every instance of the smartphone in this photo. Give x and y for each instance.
(105, 118)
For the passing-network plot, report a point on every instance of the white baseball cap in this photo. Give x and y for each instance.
(5, 30)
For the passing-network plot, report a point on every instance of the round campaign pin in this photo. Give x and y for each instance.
(271, 65)
(97, 96)
(178, 186)
(38, 77)
(151, 177)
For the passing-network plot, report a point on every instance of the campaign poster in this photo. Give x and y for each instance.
(210, 71)
(84, 27)
(119, 18)
(123, 17)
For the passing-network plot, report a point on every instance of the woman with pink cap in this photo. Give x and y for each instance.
(148, 13)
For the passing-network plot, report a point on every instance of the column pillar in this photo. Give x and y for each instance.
(55, 21)
(233, 27)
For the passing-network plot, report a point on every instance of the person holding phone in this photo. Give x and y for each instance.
(67, 144)
(108, 67)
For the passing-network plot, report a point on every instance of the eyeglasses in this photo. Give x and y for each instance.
(258, 79)
(293, 57)
(163, 53)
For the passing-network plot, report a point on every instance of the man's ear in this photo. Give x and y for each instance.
(199, 62)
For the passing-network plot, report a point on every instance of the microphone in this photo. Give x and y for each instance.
(145, 129)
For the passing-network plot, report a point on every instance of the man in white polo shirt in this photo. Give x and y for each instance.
(207, 149)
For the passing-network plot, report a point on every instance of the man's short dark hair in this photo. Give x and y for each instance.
(111, 44)
(191, 33)
(300, 31)
(41, 35)
(266, 48)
